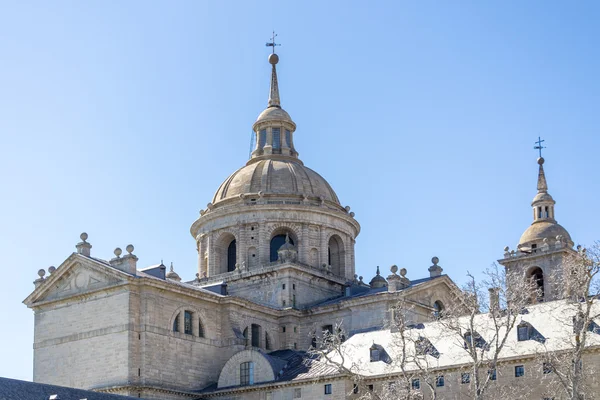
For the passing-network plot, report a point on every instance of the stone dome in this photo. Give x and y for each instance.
(273, 114)
(544, 229)
(276, 176)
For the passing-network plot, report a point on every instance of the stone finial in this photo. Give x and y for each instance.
(435, 269)
(506, 251)
(127, 263)
(172, 274)
(559, 241)
(393, 279)
(51, 269)
(39, 280)
(197, 276)
(83, 247)
(545, 244)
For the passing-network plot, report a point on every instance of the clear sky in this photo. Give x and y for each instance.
(121, 119)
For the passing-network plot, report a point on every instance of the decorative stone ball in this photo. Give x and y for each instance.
(51, 269)
(209, 206)
(403, 272)
(41, 273)
(83, 236)
(352, 214)
(347, 208)
(394, 269)
(435, 260)
(506, 248)
(260, 193)
(118, 252)
(273, 58)
(129, 248)
(540, 160)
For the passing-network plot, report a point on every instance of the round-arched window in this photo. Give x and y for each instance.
(438, 308)
(276, 242)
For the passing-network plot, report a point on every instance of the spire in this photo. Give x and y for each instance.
(274, 92)
(542, 186)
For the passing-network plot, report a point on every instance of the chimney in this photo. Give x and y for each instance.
(83, 247)
(127, 263)
(494, 299)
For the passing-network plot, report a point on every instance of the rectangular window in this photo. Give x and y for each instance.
(465, 377)
(374, 354)
(547, 368)
(492, 374)
(247, 373)
(298, 393)
(187, 322)
(370, 388)
(439, 381)
(284, 286)
(328, 388)
(293, 286)
(416, 384)
(283, 329)
(355, 390)
(522, 333)
(519, 371)
(262, 138)
(288, 138)
(276, 138)
(295, 329)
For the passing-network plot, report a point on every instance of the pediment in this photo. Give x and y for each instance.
(75, 278)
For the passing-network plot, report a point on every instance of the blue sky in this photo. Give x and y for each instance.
(121, 119)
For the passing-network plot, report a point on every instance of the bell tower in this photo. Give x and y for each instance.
(543, 247)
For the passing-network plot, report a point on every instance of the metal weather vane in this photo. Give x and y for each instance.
(272, 42)
(539, 145)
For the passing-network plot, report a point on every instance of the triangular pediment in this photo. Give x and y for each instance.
(76, 276)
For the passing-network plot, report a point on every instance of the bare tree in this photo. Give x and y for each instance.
(563, 359)
(480, 324)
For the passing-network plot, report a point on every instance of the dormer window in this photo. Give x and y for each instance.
(374, 354)
(474, 340)
(523, 333)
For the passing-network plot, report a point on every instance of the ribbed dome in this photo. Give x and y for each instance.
(272, 176)
(544, 229)
(274, 114)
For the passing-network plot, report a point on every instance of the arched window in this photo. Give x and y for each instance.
(276, 242)
(245, 334)
(267, 342)
(536, 275)
(176, 324)
(335, 255)
(438, 308)
(187, 322)
(255, 332)
(231, 256)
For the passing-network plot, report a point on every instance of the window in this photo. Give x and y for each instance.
(298, 393)
(465, 377)
(438, 308)
(267, 342)
(288, 139)
(492, 374)
(176, 324)
(547, 368)
(284, 286)
(519, 371)
(439, 381)
(276, 243)
(294, 301)
(231, 256)
(293, 286)
(374, 354)
(328, 388)
(283, 329)
(187, 322)
(474, 339)
(295, 329)
(255, 335)
(355, 389)
(370, 387)
(295, 346)
(536, 276)
(523, 332)
(416, 384)
(276, 139)
(283, 303)
(247, 373)
(262, 140)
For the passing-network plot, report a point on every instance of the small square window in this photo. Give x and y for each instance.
(416, 384)
(465, 377)
(439, 381)
(519, 371)
(328, 388)
(547, 368)
(370, 387)
(298, 393)
(492, 374)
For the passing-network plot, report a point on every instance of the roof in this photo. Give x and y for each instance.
(354, 294)
(13, 389)
(552, 320)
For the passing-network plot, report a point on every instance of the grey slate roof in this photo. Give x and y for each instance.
(13, 389)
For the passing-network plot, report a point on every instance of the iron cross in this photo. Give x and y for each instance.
(272, 42)
(539, 145)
